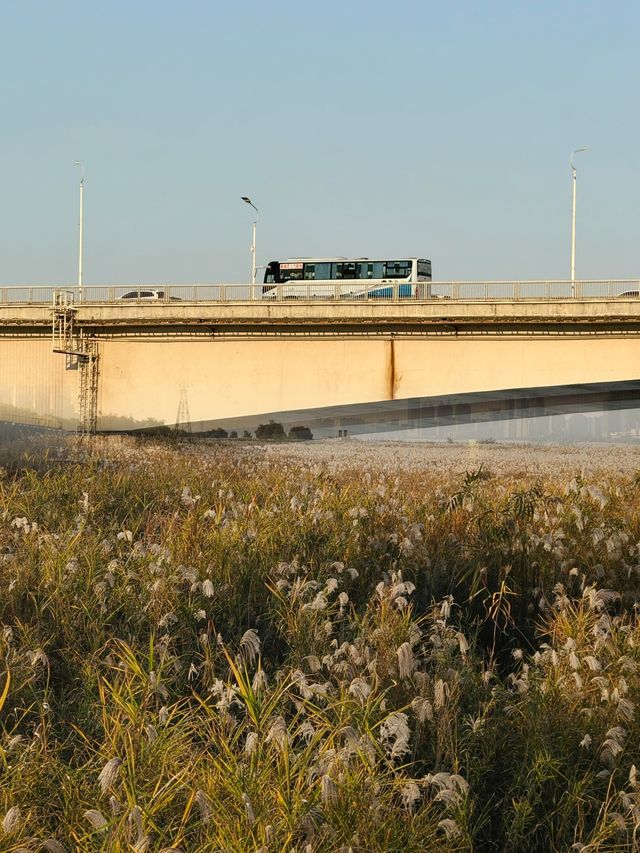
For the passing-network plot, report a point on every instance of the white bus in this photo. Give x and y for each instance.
(342, 278)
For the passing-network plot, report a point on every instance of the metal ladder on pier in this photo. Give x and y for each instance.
(81, 354)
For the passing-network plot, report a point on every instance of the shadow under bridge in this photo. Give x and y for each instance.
(476, 407)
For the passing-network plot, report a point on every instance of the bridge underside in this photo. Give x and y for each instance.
(419, 413)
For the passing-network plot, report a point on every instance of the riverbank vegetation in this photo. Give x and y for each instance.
(223, 649)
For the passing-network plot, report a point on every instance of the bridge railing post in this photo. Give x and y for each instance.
(395, 291)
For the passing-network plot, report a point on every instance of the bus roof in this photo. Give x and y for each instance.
(342, 258)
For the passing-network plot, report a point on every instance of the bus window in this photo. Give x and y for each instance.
(317, 272)
(424, 269)
(345, 270)
(291, 271)
(371, 269)
(398, 269)
(271, 274)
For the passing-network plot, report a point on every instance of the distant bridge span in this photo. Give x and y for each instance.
(238, 362)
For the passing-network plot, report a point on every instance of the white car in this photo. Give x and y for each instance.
(148, 295)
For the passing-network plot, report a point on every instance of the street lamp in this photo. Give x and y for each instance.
(573, 222)
(78, 163)
(253, 242)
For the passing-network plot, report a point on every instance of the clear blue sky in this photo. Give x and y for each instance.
(441, 129)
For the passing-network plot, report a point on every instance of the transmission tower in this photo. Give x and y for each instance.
(183, 419)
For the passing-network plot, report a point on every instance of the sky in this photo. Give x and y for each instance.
(435, 129)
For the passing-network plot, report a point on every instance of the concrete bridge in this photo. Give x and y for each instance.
(125, 364)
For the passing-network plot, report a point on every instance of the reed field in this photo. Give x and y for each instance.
(320, 646)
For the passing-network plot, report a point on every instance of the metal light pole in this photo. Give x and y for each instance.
(253, 242)
(78, 163)
(573, 222)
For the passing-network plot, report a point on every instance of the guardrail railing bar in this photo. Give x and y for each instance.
(385, 291)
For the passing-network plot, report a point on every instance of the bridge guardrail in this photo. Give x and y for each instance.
(309, 291)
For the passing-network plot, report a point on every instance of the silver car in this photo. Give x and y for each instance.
(148, 295)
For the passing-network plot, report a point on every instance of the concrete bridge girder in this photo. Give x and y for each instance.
(233, 361)
(141, 379)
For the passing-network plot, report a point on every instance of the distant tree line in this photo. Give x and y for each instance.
(275, 430)
(272, 430)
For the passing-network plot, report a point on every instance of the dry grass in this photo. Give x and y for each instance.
(325, 647)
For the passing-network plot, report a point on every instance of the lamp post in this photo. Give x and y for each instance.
(253, 242)
(573, 221)
(78, 163)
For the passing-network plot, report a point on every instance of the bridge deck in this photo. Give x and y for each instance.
(595, 312)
